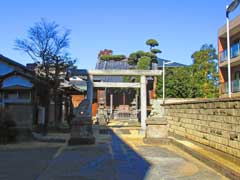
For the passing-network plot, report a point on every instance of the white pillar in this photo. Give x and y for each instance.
(163, 89)
(111, 104)
(143, 102)
(229, 59)
(137, 90)
(90, 93)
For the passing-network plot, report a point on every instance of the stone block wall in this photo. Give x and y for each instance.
(215, 123)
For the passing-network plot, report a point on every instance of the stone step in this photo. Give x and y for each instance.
(48, 138)
(225, 164)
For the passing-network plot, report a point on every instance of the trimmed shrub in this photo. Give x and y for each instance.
(112, 57)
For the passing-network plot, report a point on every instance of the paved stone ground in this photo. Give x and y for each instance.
(24, 164)
(115, 156)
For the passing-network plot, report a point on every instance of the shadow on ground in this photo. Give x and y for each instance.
(109, 159)
(119, 154)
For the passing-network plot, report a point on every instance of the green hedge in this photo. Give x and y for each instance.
(112, 57)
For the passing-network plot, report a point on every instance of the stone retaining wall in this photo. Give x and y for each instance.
(215, 123)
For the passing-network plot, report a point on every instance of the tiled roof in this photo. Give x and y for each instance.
(80, 84)
(13, 63)
(111, 65)
(104, 65)
(9, 67)
(78, 72)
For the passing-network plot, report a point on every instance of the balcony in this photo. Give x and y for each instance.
(235, 52)
(235, 87)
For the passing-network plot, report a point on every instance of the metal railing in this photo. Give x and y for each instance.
(235, 52)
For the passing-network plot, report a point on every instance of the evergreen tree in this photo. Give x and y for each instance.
(199, 80)
(204, 71)
(152, 43)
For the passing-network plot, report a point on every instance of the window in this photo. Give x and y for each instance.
(24, 95)
(17, 96)
(11, 95)
(237, 75)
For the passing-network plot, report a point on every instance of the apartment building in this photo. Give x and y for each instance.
(235, 58)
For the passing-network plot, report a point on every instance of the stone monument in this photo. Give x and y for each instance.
(157, 126)
(81, 131)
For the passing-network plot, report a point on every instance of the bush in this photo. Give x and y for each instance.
(112, 57)
(8, 131)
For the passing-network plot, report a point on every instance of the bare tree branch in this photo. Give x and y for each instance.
(44, 43)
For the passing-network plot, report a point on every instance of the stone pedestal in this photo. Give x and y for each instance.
(81, 132)
(157, 130)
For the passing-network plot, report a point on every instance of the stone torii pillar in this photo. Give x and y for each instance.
(90, 93)
(143, 102)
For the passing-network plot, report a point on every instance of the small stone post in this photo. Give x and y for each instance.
(90, 93)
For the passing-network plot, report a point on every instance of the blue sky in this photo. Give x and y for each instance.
(181, 27)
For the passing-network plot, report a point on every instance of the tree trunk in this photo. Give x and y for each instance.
(47, 102)
(55, 110)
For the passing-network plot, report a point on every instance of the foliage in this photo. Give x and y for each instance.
(112, 57)
(105, 52)
(177, 83)
(205, 73)
(156, 51)
(133, 58)
(143, 60)
(47, 45)
(144, 63)
(136, 56)
(199, 80)
(107, 55)
(130, 78)
(43, 44)
(152, 43)
(126, 79)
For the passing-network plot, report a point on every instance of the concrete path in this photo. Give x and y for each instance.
(24, 163)
(119, 154)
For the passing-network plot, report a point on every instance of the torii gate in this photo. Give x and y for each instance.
(141, 85)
